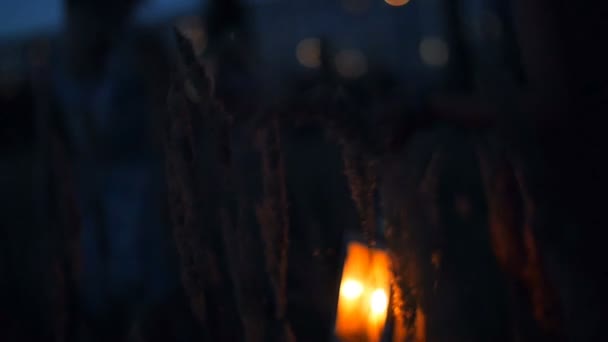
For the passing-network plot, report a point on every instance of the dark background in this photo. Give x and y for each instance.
(148, 181)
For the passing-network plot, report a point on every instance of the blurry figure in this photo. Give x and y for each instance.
(127, 252)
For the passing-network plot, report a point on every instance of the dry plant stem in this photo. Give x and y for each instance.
(273, 217)
(250, 304)
(511, 212)
(361, 177)
(181, 186)
(544, 297)
(195, 222)
(504, 219)
(428, 191)
(200, 122)
(398, 305)
(406, 269)
(239, 249)
(425, 280)
(238, 237)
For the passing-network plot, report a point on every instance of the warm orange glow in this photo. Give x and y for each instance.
(364, 294)
(397, 2)
(308, 52)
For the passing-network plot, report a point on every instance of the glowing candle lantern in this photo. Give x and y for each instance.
(363, 298)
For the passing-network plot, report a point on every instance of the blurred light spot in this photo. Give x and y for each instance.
(351, 289)
(308, 52)
(192, 28)
(397, 2)
(351, 63)
(491, 26)
(434, 52)
(356, 6)
(379, 302)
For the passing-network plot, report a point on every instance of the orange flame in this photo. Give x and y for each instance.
(364, 294)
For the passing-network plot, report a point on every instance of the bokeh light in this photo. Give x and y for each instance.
(351, 63)
(397, 2)
(351, 289)
(434, 51)
(379, 302)
(308, 52)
